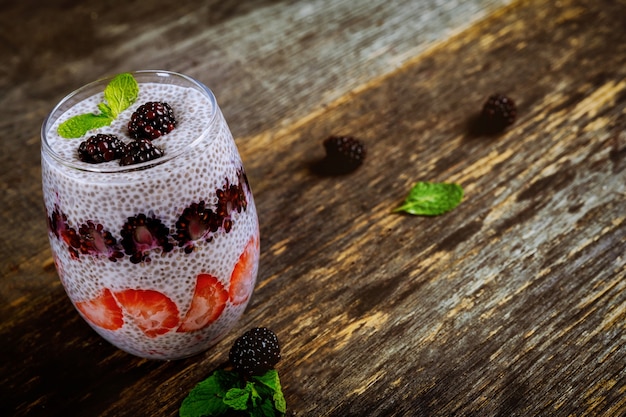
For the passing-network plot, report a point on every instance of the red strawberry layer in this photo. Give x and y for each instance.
(208, 303)
(153, 312)
(243, 276)
(103, 311)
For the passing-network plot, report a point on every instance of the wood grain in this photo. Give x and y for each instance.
(512, 304)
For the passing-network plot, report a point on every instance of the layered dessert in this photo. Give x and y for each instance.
(157, 245)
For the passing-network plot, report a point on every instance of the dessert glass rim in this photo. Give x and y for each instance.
(85, 92)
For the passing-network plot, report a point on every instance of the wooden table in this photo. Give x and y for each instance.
(513, 304)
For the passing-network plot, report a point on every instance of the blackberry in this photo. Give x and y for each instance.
(256, 352)
(57, 222)
(140, 150)
(499, 111)
(59, 226)
(141, 234)
(195, 223)
(245, 185)
(94, 240)
(343, 154)
(231, 198)
(151, 120)
(101, 148)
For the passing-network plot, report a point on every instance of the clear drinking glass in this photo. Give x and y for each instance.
(160, 258)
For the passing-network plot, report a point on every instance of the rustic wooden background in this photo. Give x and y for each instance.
(513, 304)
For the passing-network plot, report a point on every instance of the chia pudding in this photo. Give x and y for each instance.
(160, 257)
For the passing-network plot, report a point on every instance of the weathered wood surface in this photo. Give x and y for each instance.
(513, 304)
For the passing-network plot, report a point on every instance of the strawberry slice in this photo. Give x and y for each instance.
(153, 312)
(207, 304)
(243, 278)
(103, 311)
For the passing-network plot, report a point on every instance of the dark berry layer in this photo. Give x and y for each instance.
(94, 240)
(196, 223)
(59, 226)
(141, 234)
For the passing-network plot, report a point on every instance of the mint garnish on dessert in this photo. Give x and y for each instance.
(431, 199)
(119, 94)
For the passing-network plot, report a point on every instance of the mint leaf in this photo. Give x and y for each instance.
(237, 398)
(205, 399)
(279, 402)
(77, 126)
(266, 409)
(260, 396)
(121, 92)
(228, 379)
(255, 397)
(242, 398)
(106, 111)
(271, 380)
(431, 199)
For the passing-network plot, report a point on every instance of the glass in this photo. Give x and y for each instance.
(160, 258)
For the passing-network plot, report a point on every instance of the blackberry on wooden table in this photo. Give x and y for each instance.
(499, 112)
(344, 154)
(255, 352)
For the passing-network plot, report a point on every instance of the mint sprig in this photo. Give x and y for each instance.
(431, 199)
(224, 391)
(119, 94)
